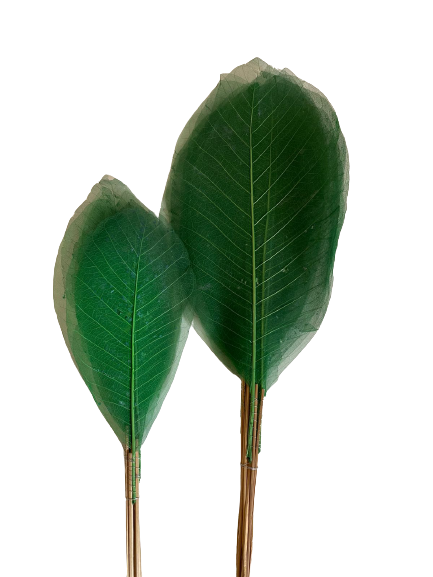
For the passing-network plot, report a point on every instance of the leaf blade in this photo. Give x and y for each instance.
(274, 133)
(121, 278)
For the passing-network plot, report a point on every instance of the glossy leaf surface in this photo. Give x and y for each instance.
(257, 192)
(121, 284)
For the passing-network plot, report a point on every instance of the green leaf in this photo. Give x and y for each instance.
(257, 193)
(121, 284)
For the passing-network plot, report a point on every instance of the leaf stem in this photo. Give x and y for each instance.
(248, 476)
(137, 545)
(133, 547)
(129, 519)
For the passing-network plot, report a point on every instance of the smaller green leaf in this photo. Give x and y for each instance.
(121, 287)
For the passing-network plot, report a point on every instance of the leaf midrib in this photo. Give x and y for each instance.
(134, 312)
(264, 285)
(253, 250)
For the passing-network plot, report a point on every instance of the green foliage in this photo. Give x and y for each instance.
(257, 193)
(121, 285)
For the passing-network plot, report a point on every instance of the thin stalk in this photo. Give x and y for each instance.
(248, 475)
(130, 566)
(253, 477)
(137, 541)
(255, 462)
(126, 471)
(133, 548)
(246, 500)
(244, 441)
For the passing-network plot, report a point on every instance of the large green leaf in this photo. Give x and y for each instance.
(257, 192)
(121, 284)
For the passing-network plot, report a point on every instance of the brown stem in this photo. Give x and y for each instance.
(252, 485)
(126, 469)
(129, 505)
(248, 478)
(133, 549)
(137, 541)
(243, 472)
